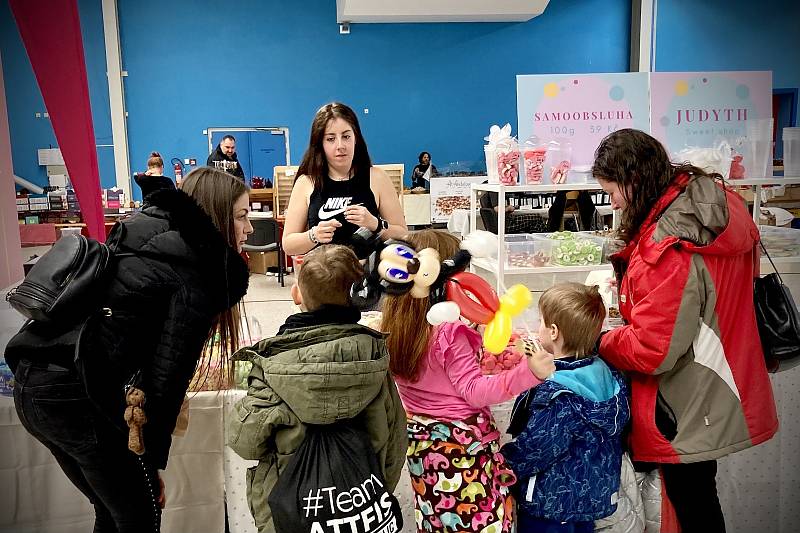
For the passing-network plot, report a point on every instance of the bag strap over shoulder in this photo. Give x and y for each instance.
(774, 268)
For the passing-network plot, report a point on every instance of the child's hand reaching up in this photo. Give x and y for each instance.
(541, 364)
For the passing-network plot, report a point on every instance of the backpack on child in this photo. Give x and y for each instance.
(333, 483)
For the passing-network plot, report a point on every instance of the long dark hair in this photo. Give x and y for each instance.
(215, 192)
(315, 164)
(404, 317)
(639, 164)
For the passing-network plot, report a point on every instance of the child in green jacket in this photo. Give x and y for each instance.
(322, 367)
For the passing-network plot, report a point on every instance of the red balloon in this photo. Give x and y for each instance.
(479, 288)
(477, 300)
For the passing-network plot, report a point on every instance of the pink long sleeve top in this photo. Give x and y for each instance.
(451, 386)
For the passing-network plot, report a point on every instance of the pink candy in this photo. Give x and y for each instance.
(507, 167)
(492, 364)
(534, 165)
(558, 174)
(737, 171)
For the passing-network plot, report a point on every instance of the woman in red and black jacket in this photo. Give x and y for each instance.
(690, 345)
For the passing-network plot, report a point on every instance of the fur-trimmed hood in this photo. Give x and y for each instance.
(175, 229)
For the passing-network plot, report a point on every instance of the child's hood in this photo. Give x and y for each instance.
(598, 393)
(324, 373)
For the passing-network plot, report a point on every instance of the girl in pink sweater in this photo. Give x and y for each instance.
(461, 481)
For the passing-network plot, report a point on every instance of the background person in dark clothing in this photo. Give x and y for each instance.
(224, 158)
(516, 222)
(418, 174)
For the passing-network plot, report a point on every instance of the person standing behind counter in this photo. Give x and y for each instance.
(337, 190)
(420, 176)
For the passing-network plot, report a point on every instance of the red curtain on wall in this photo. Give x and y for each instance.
(51, 33)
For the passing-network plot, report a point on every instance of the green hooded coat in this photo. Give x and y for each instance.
(314, 375)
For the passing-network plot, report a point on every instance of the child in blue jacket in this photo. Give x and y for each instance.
(567, 447)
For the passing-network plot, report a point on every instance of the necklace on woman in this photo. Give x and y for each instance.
(340, 178)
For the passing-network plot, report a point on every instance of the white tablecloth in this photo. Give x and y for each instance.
(36, 496)
(459, 222)
(417, 209)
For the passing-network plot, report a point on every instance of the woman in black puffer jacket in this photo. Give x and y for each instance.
(169, 299)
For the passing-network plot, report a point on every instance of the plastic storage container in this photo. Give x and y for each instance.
(527, 251)
(532, 164)
(576, 249)
(580, 174)
(781, 242)
(791, 152)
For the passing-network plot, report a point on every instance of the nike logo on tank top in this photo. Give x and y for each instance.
(332, 200)
(334, 206)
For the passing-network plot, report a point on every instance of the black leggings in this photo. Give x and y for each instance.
(692, 489)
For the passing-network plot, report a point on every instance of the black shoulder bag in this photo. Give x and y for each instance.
(778, 320)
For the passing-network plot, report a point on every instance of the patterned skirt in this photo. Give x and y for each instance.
(460, 479)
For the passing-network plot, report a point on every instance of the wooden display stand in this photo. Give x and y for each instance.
(264, 196)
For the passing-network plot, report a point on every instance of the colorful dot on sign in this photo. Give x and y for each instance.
(681, 87)
(705, 80)
(574, 82)
(743, 92)
(551, 90)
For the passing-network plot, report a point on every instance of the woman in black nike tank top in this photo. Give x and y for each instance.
(337, 190)
(331, 201)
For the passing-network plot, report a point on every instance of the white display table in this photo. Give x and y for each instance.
(37, 497)
(417, 209)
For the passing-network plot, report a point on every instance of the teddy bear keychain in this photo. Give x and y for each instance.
(135, 417)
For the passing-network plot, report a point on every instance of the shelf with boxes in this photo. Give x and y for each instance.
(539, 253)
(262, 199)
(542, 254)
(56, 206)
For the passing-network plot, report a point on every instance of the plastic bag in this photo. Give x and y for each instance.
(502, 156)
(532, 161)
(558, 161)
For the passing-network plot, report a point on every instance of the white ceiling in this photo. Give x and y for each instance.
(438, 10)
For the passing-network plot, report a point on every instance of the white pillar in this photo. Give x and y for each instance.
(10, 249)
(643, 35)
(116, 97)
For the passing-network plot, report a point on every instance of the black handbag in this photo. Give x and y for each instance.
(777, 319)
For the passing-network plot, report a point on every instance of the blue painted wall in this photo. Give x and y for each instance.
(24, 99)
(434, 87)
(196, 64)
(730, 35)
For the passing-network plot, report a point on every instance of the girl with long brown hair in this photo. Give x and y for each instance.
(460, 479)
